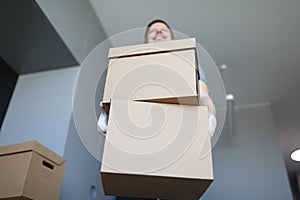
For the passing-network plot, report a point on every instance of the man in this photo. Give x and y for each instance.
(159, 31)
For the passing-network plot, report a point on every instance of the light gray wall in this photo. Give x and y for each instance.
(76, 23)
(249, 165)
(40, 109)
(82, 174)
(298, 181)
(82, 179)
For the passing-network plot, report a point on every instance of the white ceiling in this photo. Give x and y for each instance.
(28, 42)
(258, 40)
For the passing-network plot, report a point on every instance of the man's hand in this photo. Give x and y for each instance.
(102, 121)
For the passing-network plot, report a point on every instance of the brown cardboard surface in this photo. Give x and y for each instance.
(16, 198)
(133, 50)
(157, 187)
(142, 72)
(26, 172)
(32, 146)
(173, 161)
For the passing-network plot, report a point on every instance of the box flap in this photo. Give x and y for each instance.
(148, 48)
(32, 146)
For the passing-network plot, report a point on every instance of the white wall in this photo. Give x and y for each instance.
(76, 23)
(82, 179)
(40, 109)
(250, 165)
(298, 180)
(247, 166)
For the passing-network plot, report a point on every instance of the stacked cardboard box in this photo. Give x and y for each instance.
(30, 171)
(165, 156)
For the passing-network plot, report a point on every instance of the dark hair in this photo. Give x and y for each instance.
(157, 21)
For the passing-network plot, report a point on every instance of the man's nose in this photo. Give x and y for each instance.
(158, 30)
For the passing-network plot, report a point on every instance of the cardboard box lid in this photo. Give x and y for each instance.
(158, 47)
(32, 146)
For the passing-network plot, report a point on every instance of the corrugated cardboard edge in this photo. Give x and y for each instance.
(148, 48)
(32, 146)
(16, 198)
(149, 180)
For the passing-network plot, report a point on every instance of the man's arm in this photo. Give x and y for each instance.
(205, 99)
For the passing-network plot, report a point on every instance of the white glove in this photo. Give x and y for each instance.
(102, 121)
(212, 122)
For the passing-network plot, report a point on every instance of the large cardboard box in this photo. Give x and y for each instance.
(30, 171)
(164, 72)
(155, 150)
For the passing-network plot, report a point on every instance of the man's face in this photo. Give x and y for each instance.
(158, 32)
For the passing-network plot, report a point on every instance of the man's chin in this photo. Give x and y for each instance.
(160, 40)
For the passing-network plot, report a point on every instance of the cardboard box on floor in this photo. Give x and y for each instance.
(164, 72)
(155, 150)
(30, 171)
